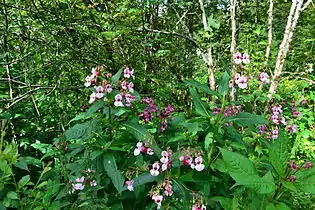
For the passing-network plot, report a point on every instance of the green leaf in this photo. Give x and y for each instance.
(24, 180)
(242, 170)
(22, 164)
(305, 180)
(224, 84)
(202, 87)
(201, 107)
(12, 195)
(84, 130)
(113, 172)
(246, 119)
(89, 113)
(226, 203)
(278, 155)
(208, 140)
(116, 77)
(138, 131)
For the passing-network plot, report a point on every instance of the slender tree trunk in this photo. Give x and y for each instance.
(5, 46)
(211, 72)
(233, 45)
(285, 44)
(209, 59)
(270, 19)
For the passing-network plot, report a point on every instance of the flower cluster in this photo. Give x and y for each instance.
(79, 183)
(141, 148)
(164, 114)
(264, 78)
(199, 206)
(194, 164)
(239, 58)
(294, 167)
(93, 77)
(295, 111)
(165, 161)
(148, 113)
(157, 195)
(105, 86)
(151, 110)
(241, 81)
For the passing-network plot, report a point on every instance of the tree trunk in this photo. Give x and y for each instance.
(233, 46)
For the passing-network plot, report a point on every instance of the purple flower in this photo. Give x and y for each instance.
(308, 165)
(262, 129)
(216, 111)
(292, 129)
(237, 58)
(292, 178)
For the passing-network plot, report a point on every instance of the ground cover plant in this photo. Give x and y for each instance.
(157, 105)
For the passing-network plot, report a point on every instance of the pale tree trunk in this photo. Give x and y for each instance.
(293, 17)
(270, 19)
(209, 59)
(233, 46)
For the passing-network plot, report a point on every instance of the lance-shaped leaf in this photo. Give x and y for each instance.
(113, 172)
(224, 84)
(142, 134)
(246, 119)
(242, 170)
(202, 87)
(201, 107)
(116, 77)
(278, 154)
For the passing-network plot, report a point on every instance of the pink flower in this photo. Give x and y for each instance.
(158, 200)
(242, 82)
(130, 185)
(99, 92)
(245, 58)
(108, 75)
(236, 77)
(198, 164)
(168, 190)
(81, 179)
(283, 121)
(264, 78)
(77, 186)
(130, 87)
(95, 73)
(150, 151)
(88, 81)
(164, 158)
(118, 100)
(237, 58)
(108, 88)
(292, 129)
(186, 160)
(198, 207)
(92, 98)
(123, 85)
(128, 73)
(155, 169)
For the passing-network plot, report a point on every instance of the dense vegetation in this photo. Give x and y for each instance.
(157, 104)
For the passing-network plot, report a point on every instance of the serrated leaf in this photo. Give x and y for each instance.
(208, 140)
(305, 180)
(138, 131)
(113, 172)
(200, 107)
(84, 130)
(278, 155)
(242, 170)
(246, 119)
(202, 87)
